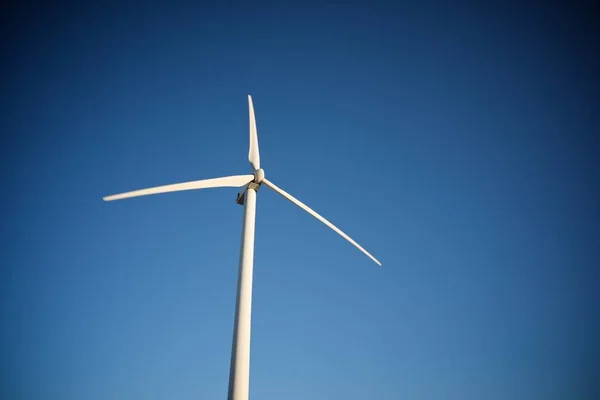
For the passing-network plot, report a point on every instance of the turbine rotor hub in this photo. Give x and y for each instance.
(259, 175)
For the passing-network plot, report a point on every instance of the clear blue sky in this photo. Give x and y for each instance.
(457, 145)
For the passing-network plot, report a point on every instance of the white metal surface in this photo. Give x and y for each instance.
(259, 175)
(317, 216)
(253, 154)
(239, 371)
(227, 181)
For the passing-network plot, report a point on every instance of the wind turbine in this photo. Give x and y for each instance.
(239, 372)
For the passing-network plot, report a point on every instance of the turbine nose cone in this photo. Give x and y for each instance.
(259, 175)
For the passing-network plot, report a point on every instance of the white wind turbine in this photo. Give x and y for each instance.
(239, 372)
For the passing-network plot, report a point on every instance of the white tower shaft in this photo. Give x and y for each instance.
(239, 371)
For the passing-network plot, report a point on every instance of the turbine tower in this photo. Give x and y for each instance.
(239, 372)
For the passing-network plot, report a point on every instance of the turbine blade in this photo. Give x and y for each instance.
(253, 155)
(297, 202)
(227, 181)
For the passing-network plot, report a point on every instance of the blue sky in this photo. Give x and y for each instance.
(457, 145)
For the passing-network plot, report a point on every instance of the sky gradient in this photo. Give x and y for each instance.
(458, 145)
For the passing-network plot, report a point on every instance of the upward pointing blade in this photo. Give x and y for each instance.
(306, 208)
(253, 155)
